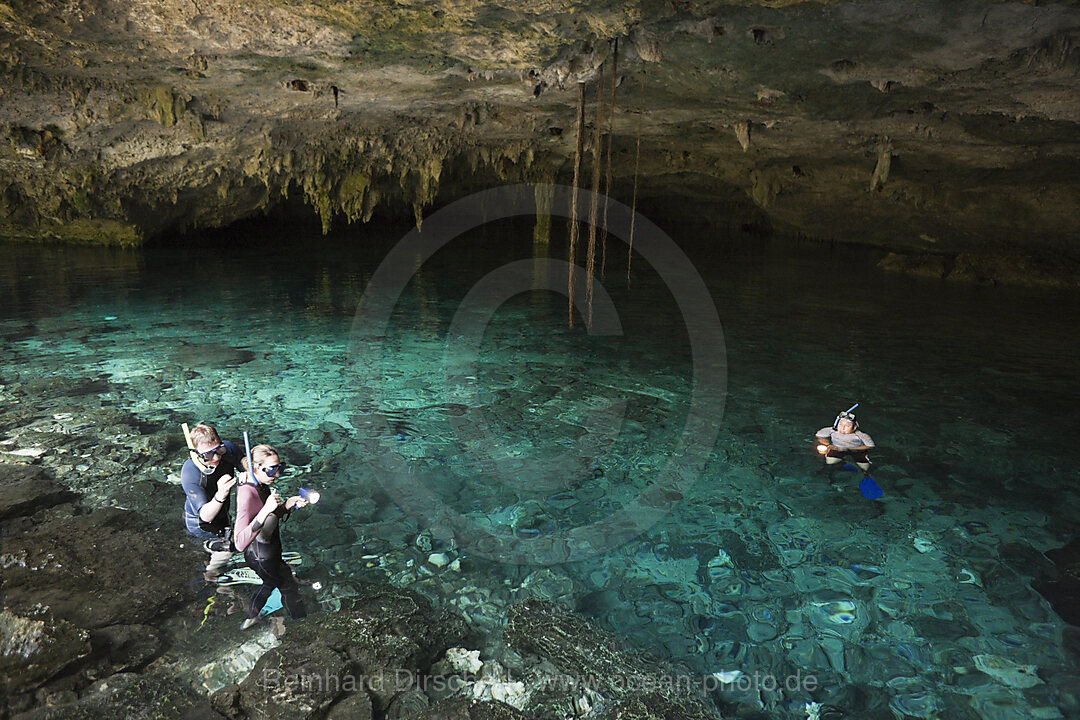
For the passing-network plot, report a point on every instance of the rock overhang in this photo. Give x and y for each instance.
(920, 125)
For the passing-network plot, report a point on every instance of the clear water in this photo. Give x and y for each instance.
(505, 449)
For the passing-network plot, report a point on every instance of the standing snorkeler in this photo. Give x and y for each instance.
(259, 512)
(207, 480)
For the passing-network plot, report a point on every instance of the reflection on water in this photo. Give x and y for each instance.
(763, 563)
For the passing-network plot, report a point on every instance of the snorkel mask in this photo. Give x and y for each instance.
(848, 414)
(203, 467)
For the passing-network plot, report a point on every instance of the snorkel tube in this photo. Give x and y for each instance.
(843, 415)
(251, 465)
(204, 469)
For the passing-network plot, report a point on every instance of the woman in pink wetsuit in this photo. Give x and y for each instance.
(259, 512)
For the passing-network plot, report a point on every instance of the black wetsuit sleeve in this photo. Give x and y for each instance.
(192, 482)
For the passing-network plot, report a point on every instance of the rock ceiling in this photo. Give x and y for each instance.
(941, 125)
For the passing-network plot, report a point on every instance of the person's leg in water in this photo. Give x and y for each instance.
(275, 573)
(265, 570)
(862, 459)
(833, 462)
(218, 560)
(290, 593)
(219, 547)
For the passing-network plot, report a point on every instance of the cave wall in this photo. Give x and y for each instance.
(934, 129)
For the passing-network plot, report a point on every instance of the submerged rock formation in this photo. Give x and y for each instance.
(941, 127)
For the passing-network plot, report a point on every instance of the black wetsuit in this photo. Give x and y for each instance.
(263, 556)
(200, 488)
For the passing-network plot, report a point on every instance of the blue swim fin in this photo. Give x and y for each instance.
(870, 489)
(273, 603)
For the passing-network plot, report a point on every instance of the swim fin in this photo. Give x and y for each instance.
(870, 489)
(289, 556)
(273, 603)
(239, 576)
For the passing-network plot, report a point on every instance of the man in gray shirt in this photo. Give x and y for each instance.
(844, 439)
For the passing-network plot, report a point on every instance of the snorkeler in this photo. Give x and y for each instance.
(259, 512)
(207, 480)
(844, 439)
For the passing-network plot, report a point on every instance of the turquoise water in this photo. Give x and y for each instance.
(511, 442)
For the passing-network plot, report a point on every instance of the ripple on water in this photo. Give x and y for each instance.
(760, 632)
(838, 612)
(917, 704)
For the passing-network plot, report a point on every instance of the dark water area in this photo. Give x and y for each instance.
(502, 436)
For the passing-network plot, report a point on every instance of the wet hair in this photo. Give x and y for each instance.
(203, 433)
(258, 454)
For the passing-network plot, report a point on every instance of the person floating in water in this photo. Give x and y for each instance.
(207, 480)
(844, 440)
(259, 512)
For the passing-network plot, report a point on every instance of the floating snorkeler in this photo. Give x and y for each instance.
(844, 440)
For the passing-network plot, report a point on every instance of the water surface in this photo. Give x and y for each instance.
(761, 563)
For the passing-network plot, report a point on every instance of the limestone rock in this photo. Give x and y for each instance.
(295, 681)
(107, 554)
(578, 649)
(27, 490)
(35, 647)
(464, 662)
(379, 643)
(356, 706)
(462, 708)
(133, 697)
(1008, 672)
(127, 126)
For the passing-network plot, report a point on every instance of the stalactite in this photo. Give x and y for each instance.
(881, 170)
(742, 134)
(574, 197)
(590, 261)
(542, 230)
(607, 175)
(637, 159)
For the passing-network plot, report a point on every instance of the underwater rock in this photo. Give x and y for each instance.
(1060, 584)
(359, 509)
(407, 705)
(464, 662)
(28, 454)
(29, 490)
(575, 647)
(356, 706)
(547, 584)
(1008, 672)
(124, 647)
(463, 708)
(653, 705)
(423, 541)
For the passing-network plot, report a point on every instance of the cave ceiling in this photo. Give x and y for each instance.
(913, 124)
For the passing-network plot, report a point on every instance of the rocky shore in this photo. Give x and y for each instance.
(104, 615)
